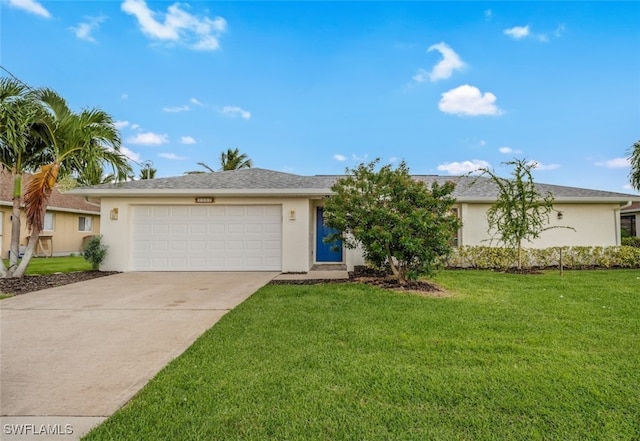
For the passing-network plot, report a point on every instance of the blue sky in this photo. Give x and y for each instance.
(314, 87)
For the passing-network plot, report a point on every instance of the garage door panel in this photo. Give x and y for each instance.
(216, 228)
(207, 238)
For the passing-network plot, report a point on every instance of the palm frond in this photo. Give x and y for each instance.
(36, 195)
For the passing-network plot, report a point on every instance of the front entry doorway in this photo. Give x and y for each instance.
(325, 252)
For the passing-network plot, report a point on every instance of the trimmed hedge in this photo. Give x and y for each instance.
(631, 242)
(498, 258)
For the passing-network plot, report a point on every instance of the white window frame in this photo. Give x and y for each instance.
(49, 223)
(90, 221)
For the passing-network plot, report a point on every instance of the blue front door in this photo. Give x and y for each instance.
(324, 252)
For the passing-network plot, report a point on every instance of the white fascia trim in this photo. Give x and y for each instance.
(563, 200)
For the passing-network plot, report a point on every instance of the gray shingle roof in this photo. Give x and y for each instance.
(268, 182)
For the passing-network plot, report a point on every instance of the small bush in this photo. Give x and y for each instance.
(631, 241)
(94, 251)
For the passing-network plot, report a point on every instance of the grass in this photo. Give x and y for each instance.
(507, 357)
(49, 265)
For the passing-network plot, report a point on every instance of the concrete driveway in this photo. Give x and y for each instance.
(71, 356)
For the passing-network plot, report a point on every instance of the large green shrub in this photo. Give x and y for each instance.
(399, 222)
(94, 251)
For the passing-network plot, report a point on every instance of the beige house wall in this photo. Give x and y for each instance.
(594, 224)
(296, 220)
(66, 239)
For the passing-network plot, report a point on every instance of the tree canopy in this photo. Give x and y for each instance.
(231, 159)
(634, 159)
(399, 222)
(39, 133)
(520, 212)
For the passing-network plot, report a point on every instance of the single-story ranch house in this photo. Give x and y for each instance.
(68, 221)
(255, 219)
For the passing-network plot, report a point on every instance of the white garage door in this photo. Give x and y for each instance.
(207, 238)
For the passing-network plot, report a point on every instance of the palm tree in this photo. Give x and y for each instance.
(634, 159)
(77, 144)
(19, 149)
(231, 160)
(147, 171)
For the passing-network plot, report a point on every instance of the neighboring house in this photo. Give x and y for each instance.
(68, 220)
(630, 219)
(259, 220)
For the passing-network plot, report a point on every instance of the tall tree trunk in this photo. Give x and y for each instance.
(14, 248)
(28, 253)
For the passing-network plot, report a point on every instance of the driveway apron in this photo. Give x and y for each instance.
(71, 356)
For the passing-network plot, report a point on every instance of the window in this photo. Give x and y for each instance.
(84, 223)
(456, 240)
(628, 224)
(48, 222)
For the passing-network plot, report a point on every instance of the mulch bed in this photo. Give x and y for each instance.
(36, 283)
(376, 278)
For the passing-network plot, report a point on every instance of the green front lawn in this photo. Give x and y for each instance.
(506, 357)
(49, 265)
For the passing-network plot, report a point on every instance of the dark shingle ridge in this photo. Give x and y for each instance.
(243, 180)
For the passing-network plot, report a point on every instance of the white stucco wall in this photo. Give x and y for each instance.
(295, 228)
(594, 224)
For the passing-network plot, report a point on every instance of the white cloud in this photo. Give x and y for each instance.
(177, 25)
(393, 159)
(148, 138)
(614, 163)
(559, 31)
(450, 62)
(517, 32)
(196, 102)
(543, 167)
(31, 6)
(172, 156)
(464, 167)
(421, 76)
(520, 32)
(187, 140)
(234, 111)
(124, 96)
(135, 126)
(84, 29)
(488, 14)
(627, 187)
(130, 153)
(507, 150)
(176, 109)
(360, 158)
(468, 100)
(121, 124)
(339, 157)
